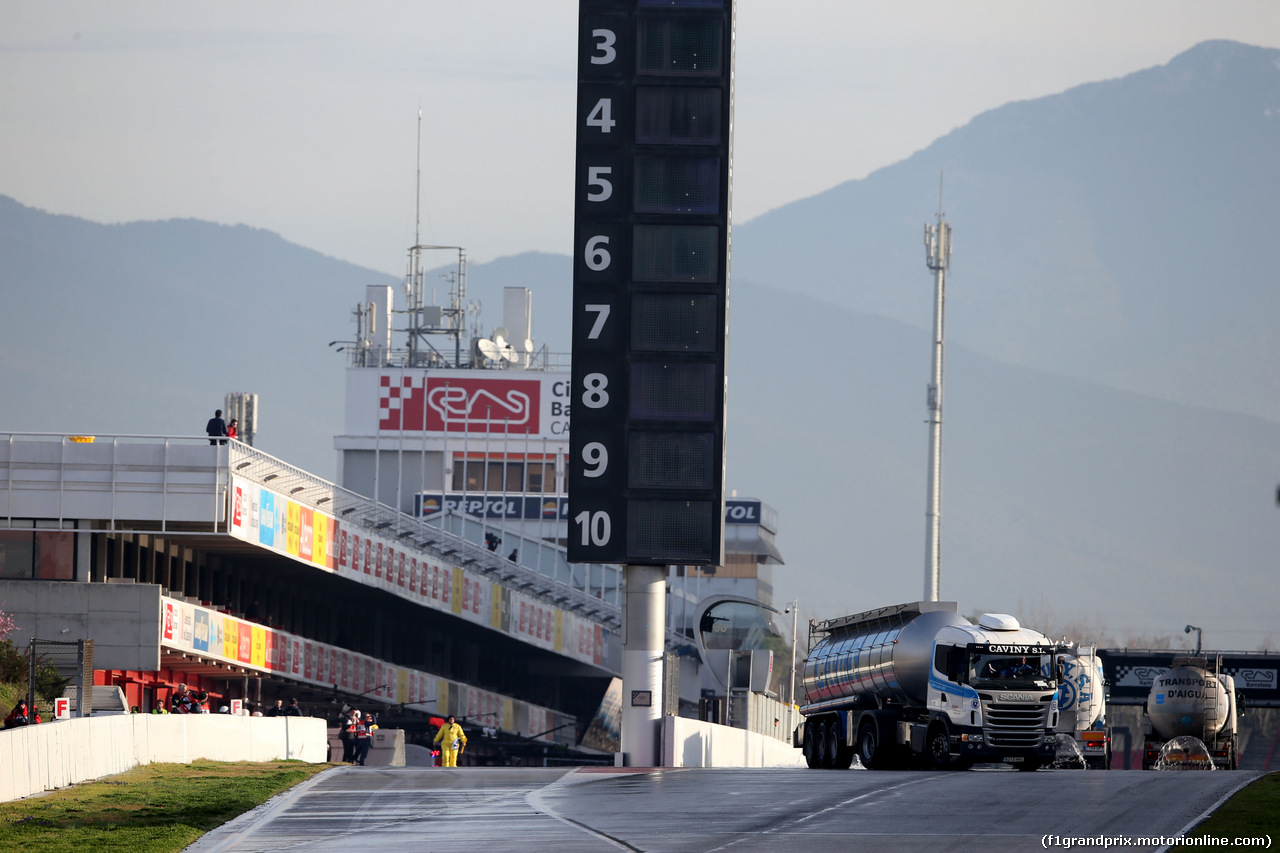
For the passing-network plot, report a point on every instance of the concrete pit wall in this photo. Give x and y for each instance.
(57, 754)
(693, 743)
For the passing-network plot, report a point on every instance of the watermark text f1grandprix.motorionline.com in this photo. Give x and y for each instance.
(1107, 841)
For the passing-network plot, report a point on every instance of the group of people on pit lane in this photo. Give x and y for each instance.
(356, 733)
(185, 701)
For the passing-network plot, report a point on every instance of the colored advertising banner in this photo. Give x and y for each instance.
(263, 517)
(270, 520)
(256, 647)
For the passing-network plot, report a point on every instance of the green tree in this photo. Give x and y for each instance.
(13, 663)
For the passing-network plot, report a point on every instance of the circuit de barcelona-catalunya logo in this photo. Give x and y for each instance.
(494, 406)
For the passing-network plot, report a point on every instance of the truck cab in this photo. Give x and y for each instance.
(992, 695)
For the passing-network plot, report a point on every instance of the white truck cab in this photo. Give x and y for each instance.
(992, 690)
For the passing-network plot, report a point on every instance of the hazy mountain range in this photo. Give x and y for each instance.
(1112, 421)
(1120, 232)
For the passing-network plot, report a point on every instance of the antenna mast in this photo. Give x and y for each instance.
(432, 319)
(937, 246)
(417, 208)
(413, 284)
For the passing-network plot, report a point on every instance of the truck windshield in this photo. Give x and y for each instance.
(1010, 671)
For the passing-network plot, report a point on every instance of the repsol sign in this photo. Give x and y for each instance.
(742, 512)
(550, 507)
(751, 512)
(482, 506)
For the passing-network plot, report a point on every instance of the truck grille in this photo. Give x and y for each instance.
(1016, 725)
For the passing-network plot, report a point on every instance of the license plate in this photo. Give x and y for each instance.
(1013, 759)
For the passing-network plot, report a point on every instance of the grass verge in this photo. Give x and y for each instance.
(1251, 813)
(157, 807)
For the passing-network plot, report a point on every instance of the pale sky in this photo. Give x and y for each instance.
(301, 117)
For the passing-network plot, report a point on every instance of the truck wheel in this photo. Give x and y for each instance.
(938, 745)
(810, 747)
(869, 746)
(833, 745)
(820, 747)
(839, 755)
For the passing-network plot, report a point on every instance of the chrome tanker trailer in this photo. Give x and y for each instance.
(1192, 699)
(919, 685)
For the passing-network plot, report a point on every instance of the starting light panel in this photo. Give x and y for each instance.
(651, 281)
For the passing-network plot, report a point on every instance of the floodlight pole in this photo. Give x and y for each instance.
(937, 244)
(795, 610)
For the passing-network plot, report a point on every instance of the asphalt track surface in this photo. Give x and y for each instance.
(702, 810)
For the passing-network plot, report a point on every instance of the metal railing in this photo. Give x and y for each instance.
(600, 601)
(126, 470)
(592, 591)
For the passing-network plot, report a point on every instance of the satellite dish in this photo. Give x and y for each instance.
(528, 345)
(510, 354)
(500, 340)
(500, 333)
(489, 349)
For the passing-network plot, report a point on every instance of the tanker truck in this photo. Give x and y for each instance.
(1192, 698)
(1082, 711)
(918, 685)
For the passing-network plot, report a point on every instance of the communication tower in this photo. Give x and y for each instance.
(937, 246)
(244, 408)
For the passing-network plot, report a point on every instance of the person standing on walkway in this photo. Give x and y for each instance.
(452, 742)
(216, 428)
(347, 734)
(364, 739)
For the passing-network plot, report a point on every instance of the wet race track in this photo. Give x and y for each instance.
(605, 809)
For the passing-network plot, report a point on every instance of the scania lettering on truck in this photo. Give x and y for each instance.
(918, 685)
